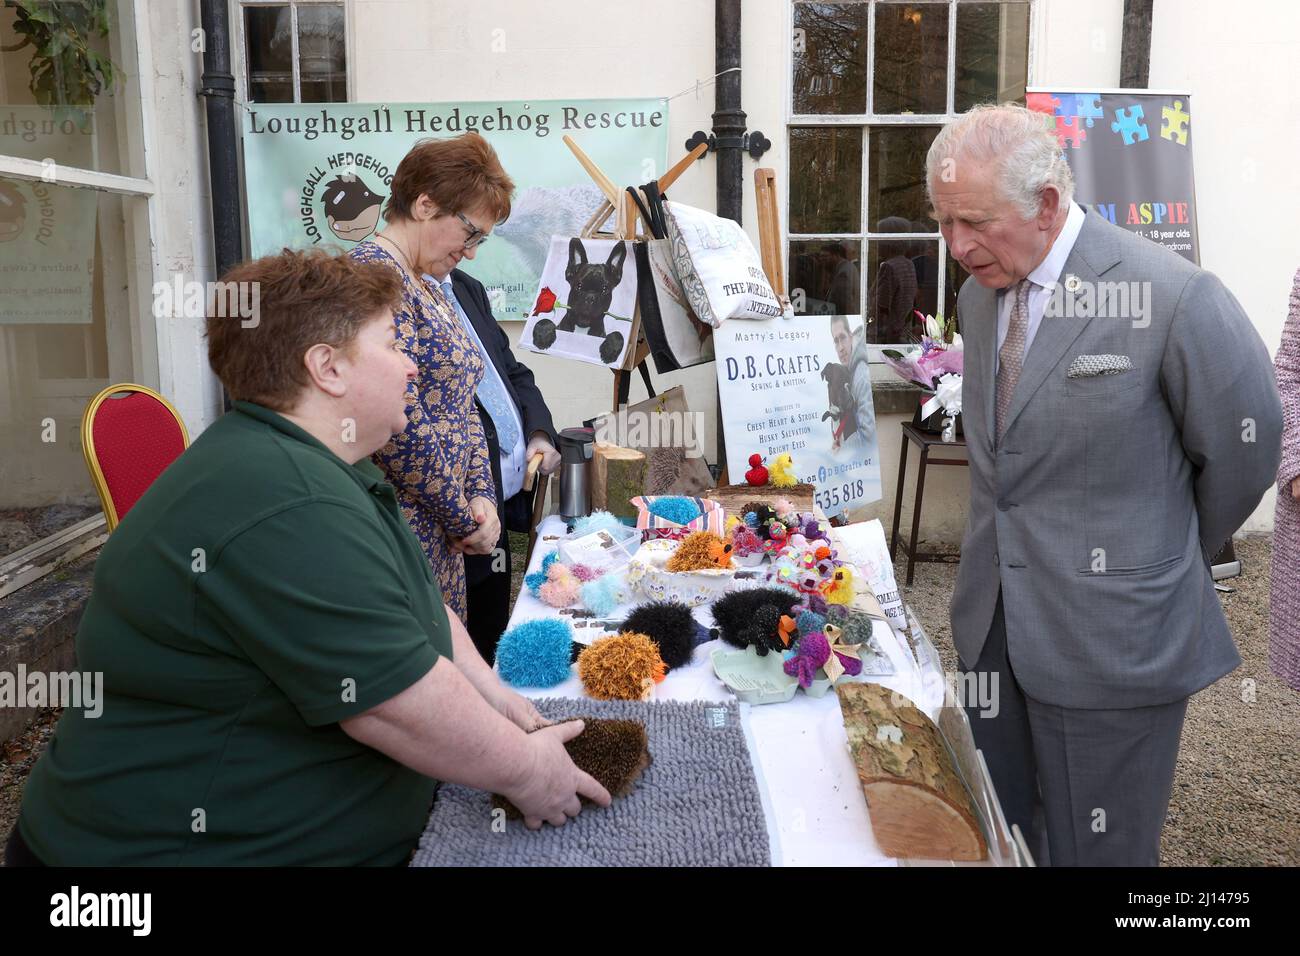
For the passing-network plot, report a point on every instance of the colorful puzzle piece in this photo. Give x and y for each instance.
(1070, 129)
(1128, 123)
(1089, 107)
(1066, 105)
(1042, 102)
(1175, 126)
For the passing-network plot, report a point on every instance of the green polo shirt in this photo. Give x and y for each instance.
(260, 591)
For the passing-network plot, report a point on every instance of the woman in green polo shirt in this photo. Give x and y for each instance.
(282, 681)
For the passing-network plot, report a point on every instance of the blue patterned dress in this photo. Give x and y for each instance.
(441, 460)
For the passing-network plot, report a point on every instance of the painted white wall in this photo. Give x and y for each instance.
(1241, 70)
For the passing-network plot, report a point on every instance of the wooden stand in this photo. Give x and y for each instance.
(919, 807)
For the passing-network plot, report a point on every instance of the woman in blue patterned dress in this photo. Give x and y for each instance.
(446, 196)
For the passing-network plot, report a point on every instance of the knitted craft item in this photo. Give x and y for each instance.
(839, 589)
(536, 653)
(601, 596)
(757, 474)
(678, 509)
(782, 471)
(745, 542)
(783, 506)
(622, 667)
(535, 579)
(583, 573)
(561, 588)
(813, 651)
(596, 521)
(670, 625)
(615, 752)
(753, 616)
(696, 552)
(807, 622)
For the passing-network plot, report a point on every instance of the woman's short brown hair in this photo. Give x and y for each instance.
(457, 174)
(300, 299)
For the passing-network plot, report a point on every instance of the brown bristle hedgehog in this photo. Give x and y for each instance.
(615, 752)
(699, 550)
(622, 667)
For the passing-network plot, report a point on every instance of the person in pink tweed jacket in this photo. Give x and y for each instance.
(1284, 629)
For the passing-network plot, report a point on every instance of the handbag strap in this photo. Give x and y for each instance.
(652, 210)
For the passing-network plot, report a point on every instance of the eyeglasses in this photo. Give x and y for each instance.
(476, 235)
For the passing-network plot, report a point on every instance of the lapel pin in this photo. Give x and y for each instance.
(1073, 283)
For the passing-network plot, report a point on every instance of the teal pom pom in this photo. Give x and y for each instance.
(534, 581)
(601, 595)
(548, 561)
(536, 653)
(596, 521)
(678, 509)
(808, 621)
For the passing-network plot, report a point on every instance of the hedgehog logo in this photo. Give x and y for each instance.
(351, 209)
(13, 212)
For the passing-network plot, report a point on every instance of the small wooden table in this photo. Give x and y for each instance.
(924, 441)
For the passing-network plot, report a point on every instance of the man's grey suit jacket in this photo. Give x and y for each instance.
(1099, 512)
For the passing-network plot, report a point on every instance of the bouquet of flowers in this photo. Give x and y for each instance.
(936, 366)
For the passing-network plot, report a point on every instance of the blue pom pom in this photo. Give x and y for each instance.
(536, 653)
(678, 509)
(534, 581)
(596, 521)
(549, 560)
(601, 595)
(808, 621)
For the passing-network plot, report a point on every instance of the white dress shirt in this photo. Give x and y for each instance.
(1044, 279)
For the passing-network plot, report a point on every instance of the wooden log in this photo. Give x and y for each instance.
(617, 476)
(734, 497)
(919, 807)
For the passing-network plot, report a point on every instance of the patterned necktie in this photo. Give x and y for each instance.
(1011, 357)
(491, 390)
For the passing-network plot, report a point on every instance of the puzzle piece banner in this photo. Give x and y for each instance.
(781, 385)
(1131, 153)
(318, 174)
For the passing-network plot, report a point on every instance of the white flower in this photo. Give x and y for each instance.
(933, 328)
(948, 394)
(957, 343)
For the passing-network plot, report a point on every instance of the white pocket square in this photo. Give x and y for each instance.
(1087, 366)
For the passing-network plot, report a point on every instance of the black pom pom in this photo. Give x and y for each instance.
(670, 625)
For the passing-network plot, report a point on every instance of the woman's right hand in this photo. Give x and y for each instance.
(549, 792)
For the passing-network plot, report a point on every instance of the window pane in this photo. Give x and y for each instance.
(322, 54)
(902, 278)
(269, 54)
(825, 179)
(911, 70)
(992, 53)
(824, 276)
(80, 107)
(896, 178)
(830, 57)
(70, 324)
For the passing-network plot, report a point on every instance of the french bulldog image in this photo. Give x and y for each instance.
(591, 288)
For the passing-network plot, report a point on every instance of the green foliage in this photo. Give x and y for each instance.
(65, 71)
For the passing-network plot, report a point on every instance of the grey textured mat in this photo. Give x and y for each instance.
(696, 805)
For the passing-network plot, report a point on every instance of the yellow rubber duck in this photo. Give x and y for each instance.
(781, 471)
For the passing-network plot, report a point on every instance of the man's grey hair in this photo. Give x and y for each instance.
(1021, 144)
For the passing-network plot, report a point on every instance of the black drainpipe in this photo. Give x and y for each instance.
(217, 87)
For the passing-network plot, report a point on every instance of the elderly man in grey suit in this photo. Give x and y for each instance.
(1121, 420)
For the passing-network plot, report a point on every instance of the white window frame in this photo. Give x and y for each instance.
(869, 119)
(150, 338)
(239, 57)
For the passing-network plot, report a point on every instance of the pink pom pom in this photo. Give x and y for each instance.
(560, 593)
(584, 573)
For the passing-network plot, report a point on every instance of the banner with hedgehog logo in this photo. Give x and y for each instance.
(318, 175)
(1131, 155)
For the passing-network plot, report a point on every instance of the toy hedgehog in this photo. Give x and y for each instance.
(670, 625)
(698, 551)
(615, 752)
(753, 616)
(623, 667)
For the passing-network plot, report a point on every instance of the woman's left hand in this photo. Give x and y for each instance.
(484, 540)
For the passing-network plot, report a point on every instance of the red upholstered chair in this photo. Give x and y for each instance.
(129, 434)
